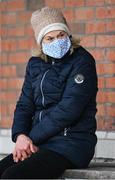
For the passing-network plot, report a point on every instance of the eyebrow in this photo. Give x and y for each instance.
(57, 34)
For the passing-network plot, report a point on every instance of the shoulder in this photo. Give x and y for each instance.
(82, 56)
(33, 65)
(83, 62)
(34, 61)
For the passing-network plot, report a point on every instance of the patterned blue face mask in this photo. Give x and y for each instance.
(58, 48)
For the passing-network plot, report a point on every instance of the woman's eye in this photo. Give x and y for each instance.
(50, 39)
(61, 35)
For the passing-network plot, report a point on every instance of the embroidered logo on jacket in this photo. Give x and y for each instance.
(79, 78)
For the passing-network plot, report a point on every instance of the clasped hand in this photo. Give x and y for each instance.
(24, 147)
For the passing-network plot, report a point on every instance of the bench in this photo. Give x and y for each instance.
(96, 170)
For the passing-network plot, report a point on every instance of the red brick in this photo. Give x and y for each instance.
(110, 2)
(106, 124)
(8, 71)
(9, 45)
(110, 54)
(21, 68)
(99, 54)
(110, 97)
(6, 122)
(105, 40)
(29, 31)
(110, 26)
(101, 97)
(25, 44)
(100, 110)
(74, 3)
(0, 28)
(101, 12)
(101, 124)
(1, 6)
(0, 20)
(101, 82)
(4, 45)
(3, 84)
(112, 128)
(84, 14)
(16, 31)
(100, 68)
(11, 108)
(69, 14)
(3, 108)
(54, 3)
(24, 17)
(110, 111)
(92, 28)
(3, 58)
(110, 124)
(88, 41)
(105, 12)
(105, 68)
(77, 28)
(9, 18)
(15, 83)
(110, 82)
(4, 31)
(8, 96)
(18, 57)
(15, 5)
(109, 68)
(94, 2)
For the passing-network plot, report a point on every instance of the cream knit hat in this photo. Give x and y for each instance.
(46, 20)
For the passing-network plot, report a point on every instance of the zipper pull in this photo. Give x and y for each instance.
(65, 131)
(40, 115)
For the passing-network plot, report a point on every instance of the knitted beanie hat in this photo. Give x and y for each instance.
(46, 20)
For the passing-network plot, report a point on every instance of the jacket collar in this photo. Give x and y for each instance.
(63, 59)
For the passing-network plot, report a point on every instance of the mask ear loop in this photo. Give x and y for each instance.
(70, 37)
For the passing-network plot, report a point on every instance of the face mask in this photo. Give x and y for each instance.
(58, 48)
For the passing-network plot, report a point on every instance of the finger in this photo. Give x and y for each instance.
(18, 155)
(32, 148)
(14, 155)
(28, 151)
(36, 148)
(24, 155)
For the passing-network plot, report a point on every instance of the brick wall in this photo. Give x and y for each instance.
(91, 20)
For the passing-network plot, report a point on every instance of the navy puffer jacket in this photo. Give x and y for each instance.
(57, 105)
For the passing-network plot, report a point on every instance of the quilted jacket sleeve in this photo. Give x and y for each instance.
(24, 108)
(74, 100)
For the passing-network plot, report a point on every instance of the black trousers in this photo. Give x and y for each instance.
(44, 164)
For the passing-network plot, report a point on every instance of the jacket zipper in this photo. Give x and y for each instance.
(65, 129)
(41, 87)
